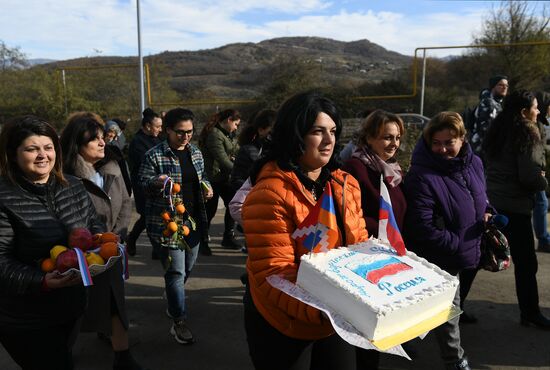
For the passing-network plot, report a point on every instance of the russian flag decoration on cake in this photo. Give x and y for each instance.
(387, 227)
(318, 232)
(377, 270)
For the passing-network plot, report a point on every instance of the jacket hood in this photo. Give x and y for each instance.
(83, 169)
(86, 170)
(424, 157)
(272, 171)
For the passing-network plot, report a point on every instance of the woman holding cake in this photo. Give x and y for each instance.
(515, 172)
(282, 332)
(378, 140)
(447, 209)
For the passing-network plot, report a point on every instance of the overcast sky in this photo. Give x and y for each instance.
(64, 29)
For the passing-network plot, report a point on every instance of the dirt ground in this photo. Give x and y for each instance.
(215, 292)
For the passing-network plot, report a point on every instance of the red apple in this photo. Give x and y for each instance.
(81, 238)
(96, 240)
(66, 260)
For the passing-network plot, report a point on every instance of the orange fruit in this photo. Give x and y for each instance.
(108, 250)
(166, 233)
(109, 237)
(172, 226)
(165, 216)
(176, 188)
(185, 230)
(47, 265)
(180, 208)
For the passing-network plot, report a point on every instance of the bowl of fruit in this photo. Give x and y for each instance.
(101, 252)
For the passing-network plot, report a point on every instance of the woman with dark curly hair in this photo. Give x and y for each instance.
(515, 172)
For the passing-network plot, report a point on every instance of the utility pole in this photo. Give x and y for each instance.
(141, 83)
(423, 83)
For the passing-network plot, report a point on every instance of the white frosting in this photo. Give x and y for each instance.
(377, 291)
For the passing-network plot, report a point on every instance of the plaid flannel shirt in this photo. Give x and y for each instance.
(161, 160)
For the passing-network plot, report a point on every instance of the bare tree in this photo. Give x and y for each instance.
(517, 22)
(11, 58)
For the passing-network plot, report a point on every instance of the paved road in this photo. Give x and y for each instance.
(215, 316)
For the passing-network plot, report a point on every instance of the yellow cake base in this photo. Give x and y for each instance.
(418, 329)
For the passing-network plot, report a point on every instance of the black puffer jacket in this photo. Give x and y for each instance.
(247, 155)
(34, 218)
(140, 144)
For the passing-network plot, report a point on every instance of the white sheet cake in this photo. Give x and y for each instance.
(374, 289)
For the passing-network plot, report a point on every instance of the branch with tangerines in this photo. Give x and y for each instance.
(178, 222)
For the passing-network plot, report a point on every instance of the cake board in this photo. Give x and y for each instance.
(390, 345)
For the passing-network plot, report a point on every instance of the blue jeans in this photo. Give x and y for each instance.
(177, 266)
(539, 218)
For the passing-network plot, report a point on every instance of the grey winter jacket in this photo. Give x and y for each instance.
(112, 203)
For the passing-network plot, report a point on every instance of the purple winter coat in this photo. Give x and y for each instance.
(446, 202)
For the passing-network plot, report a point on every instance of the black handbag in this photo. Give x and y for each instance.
(495, 252)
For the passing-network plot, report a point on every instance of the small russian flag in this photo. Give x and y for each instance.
(318, 232)
(83, 267)
(387, 227)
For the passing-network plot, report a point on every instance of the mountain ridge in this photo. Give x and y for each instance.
(244, 70)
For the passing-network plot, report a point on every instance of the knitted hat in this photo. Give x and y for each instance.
(493, 81)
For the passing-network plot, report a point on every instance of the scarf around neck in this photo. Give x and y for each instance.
(390, 169)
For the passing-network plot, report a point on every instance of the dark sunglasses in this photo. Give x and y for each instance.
(183, 132)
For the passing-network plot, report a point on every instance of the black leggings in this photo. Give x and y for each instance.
(269, 349)
(138, 228)
(41, 349)
(226, 192)
(519, 233)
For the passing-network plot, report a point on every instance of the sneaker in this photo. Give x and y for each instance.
(536, 320)
(229, 242)
(462, 364)
(181, 333)
(204, 249)
(131, 247)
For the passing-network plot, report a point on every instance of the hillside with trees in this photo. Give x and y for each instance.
(269, 71)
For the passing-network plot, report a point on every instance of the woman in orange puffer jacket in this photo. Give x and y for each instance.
(282, 332)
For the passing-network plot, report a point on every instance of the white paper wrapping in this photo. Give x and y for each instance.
(344, 329)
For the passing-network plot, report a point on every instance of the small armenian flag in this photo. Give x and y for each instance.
(318, 232)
